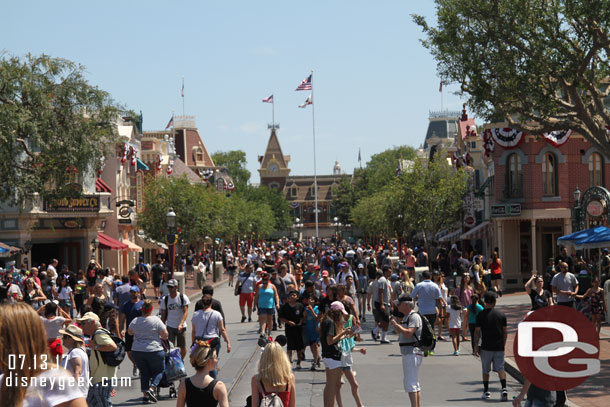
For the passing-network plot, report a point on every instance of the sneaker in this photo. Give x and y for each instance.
(146, 400)
(373, 336)
(318, 364)
(430, 353)
(442, 338)
(151, 395)
(243, 319)
(313, 367)
(385, 342)
(456, 353)
(504, 396)
(135, 372)
(249, 319)
(486, 395)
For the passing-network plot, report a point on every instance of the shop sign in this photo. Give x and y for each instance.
(595, 209)
(469, 221)
(124, 213)
(505, 210)
(86, 203)
(478, 204)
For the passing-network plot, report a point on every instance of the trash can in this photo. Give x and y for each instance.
(179, 276)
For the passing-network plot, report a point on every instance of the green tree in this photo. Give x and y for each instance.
(272, 198)
(380, 170)
(53, 125)
(344, 198)
(539, 65)
(235, 161)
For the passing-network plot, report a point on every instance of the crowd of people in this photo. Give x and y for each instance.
(319, 295)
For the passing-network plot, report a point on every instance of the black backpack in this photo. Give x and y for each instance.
(115, 357)
(427, 339)
(166, 299)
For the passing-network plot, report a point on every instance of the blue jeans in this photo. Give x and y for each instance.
(214, 372)
(151, 366)
(99, 396)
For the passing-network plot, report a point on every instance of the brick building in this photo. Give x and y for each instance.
(533, 186)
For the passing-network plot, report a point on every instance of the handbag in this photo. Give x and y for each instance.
(238, 287)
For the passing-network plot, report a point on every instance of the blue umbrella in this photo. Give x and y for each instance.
(593, 238)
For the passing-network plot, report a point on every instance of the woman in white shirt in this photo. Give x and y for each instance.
(24, 354)
(63, 293)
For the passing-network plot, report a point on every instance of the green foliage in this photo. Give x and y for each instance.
(344, 199)
(427, 198)
(201, 211)
(53, 124)
(274, 200)
(539, 65)
(235, 161)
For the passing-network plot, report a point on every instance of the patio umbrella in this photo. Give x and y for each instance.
(593, 238)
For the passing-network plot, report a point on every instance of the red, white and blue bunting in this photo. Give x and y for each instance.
(100, 169)
(557, 137)
(488, 143)
(295, 205)
(229, 186)
(134, 152)
(159, 166)
(507, 137)
(206, 174)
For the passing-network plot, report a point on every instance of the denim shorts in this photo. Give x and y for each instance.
(266, 311)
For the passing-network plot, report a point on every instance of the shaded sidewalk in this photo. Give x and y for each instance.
(594, 392)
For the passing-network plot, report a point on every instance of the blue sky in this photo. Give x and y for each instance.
(374, 83)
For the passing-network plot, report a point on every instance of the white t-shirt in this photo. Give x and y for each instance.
(455, 318)
(247, 283)
(201, 267)
(205, 323)
(77, 353)
(64, 293)
(52, 326)
(14, 289)
(51, 388)
(174, 309)
(108, 288)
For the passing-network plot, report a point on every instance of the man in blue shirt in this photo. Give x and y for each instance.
(428, 295)
(128, 312)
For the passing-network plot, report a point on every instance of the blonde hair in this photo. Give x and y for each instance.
(21, 333)
(274, 368)
(147, 306)
(201, 354)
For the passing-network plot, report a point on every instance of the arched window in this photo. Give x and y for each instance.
(549, 175)
(513, 177)
(198, 154)
(596, 170)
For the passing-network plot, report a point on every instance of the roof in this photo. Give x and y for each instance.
(181, 169)
(305, 190)
(445, 128)
(101, 186)
(109, 243)
(274, 150)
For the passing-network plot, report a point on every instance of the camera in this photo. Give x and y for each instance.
(397, 313)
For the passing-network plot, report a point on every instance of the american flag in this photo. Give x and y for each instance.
(170, 123)
(268, 99)
(305, 84)
(182, 86)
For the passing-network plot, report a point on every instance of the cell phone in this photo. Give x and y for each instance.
(356, 329)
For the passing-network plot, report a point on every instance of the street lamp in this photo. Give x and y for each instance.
(337, 225)
(399, 235)
(172, 238)
(297, 225)
(576, 197)
(95, 243)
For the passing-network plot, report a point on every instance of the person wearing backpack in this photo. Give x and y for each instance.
(174, 309)
(274, 384)
(101, 372)
(429, 299)
(410, 329)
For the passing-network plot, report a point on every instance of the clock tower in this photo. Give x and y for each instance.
(274, 164)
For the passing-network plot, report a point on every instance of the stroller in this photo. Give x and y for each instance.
(174, 369)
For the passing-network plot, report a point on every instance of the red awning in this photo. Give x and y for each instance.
(101, 186)
(108, 243)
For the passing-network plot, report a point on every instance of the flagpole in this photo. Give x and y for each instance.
(183, 96)
(315, 174)
(273, 112)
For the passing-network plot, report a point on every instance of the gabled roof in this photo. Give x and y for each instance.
(274, 151)
(181, 169)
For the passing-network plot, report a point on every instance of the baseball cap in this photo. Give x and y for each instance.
(403, 298)
(360, 266)
(259, 269)
(74, 332)
(394, 277)
(172, 283)
(337, 305)
(316, 267)
(134, 288)
(88, 316)
(325, 273)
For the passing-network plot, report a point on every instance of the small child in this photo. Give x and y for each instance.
(312, 334)
(455, 322)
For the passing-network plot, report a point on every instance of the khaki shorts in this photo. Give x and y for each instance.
(175, 336)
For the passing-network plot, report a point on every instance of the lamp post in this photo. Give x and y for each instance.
(577, 212)
(95, 243)
(172, 238)
(297, 225)
(27, 246)
(337, 225)
(399, 235)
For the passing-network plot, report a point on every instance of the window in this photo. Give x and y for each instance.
(274, 185)
(596, 173)
(473, 145)
(513, 177)
(198, 154)
(549, 175)
(293, 191)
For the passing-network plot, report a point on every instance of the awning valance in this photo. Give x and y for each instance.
(131, 246)
(480, 231)
(108, 243)
(451, 237)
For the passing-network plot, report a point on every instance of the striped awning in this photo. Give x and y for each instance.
(101, 186)
(480, 231)
(109, 243)
(451, 237)
(131, 246)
